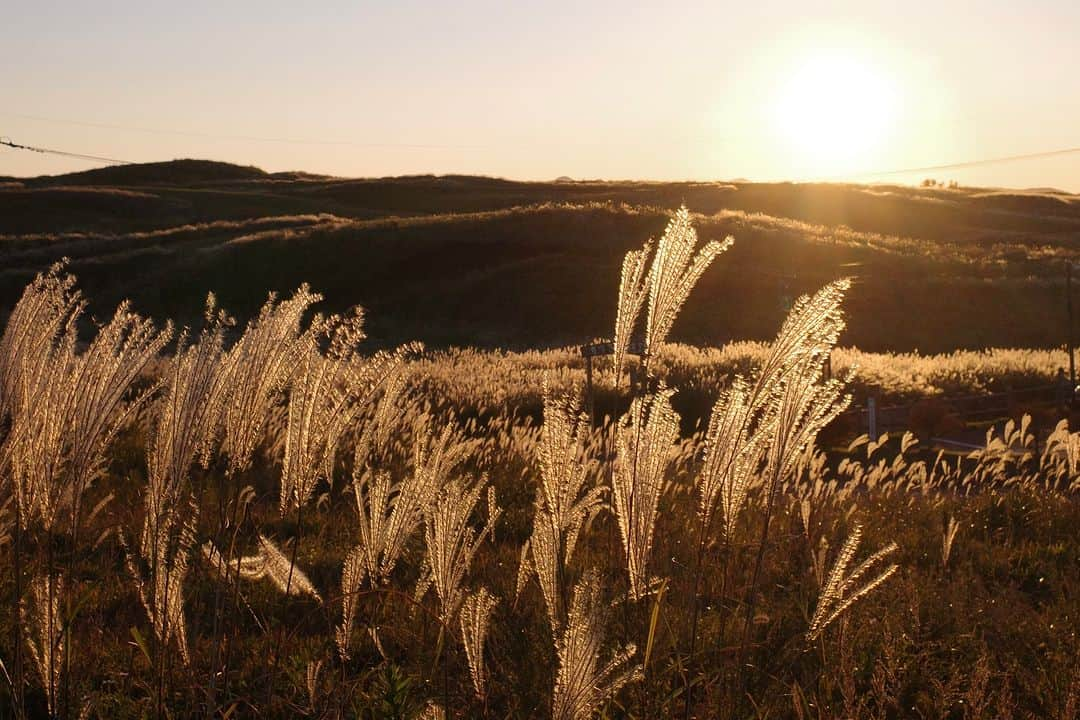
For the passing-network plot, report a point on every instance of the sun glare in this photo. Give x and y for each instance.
(834, 111)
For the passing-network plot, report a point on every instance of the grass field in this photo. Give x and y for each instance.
(272, 515)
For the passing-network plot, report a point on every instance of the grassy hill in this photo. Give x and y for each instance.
(489, 262)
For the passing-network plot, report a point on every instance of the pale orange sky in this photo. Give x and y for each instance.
(776, 89)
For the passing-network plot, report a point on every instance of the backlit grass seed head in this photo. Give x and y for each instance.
(583, 682)
(644, 440)
(805, 408)
(378, 428)
(777, 418)
(840, 591)
(352, 579)
(257, 370)
(68, 409)
(735, 444)
(322, 403)
(325, 399)
(948, 536)
(475, 620)
(452, 541)
(633, 291)
(187, 417)
(564, 500)
(43, 631)
(389, 513)
(270, 563)
(674, 272)
(160, 570)
(810, 330)
(182, 432)
(44, 315)
(283, 573)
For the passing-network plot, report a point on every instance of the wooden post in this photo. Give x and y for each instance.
(589, 389)
(1069, 333)
(1060, 391)
(607, 347)
(871, 418)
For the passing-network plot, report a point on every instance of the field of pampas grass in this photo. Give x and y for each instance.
(266, 519)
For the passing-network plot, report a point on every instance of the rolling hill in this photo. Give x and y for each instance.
(490, 262)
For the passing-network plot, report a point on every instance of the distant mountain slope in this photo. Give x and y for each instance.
(171, 172)
(204, 191)
(491, 262)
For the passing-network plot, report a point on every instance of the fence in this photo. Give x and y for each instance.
(875, 419)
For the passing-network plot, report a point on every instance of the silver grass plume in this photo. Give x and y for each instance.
(475, 620)
(644, 441)
(326, 398)
(378, 383)
(67, 411)
(44, 315)
(452, 541)
(803, 404)
(564, 502)
(160, 572)
(269, 563)
(633, 291)
(674, 272)
(112, 363)
(187, 417)
(735, 443)
(773, 421)
(323, 402)
(388, 513)
(248, 567)
(257, 369)
(283, 573)
(583, 682)
(839, 592)
(316, 400)
(810, 331)
(377, 430)
(352, 578)
(188, 414)
(42, 624)
(948, 535)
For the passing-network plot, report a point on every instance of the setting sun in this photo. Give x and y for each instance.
(834, 112)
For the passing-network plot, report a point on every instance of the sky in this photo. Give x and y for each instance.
(771, 90)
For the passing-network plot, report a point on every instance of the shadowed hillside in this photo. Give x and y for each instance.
(489, 262)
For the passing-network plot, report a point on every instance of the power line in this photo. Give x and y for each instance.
(250, 138)
(882, 173)
(973, 163)
(80, 156)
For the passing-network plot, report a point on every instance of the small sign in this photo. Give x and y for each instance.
(598, 349)
(608, 348)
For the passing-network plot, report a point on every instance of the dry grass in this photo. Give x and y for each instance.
(356, 489)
